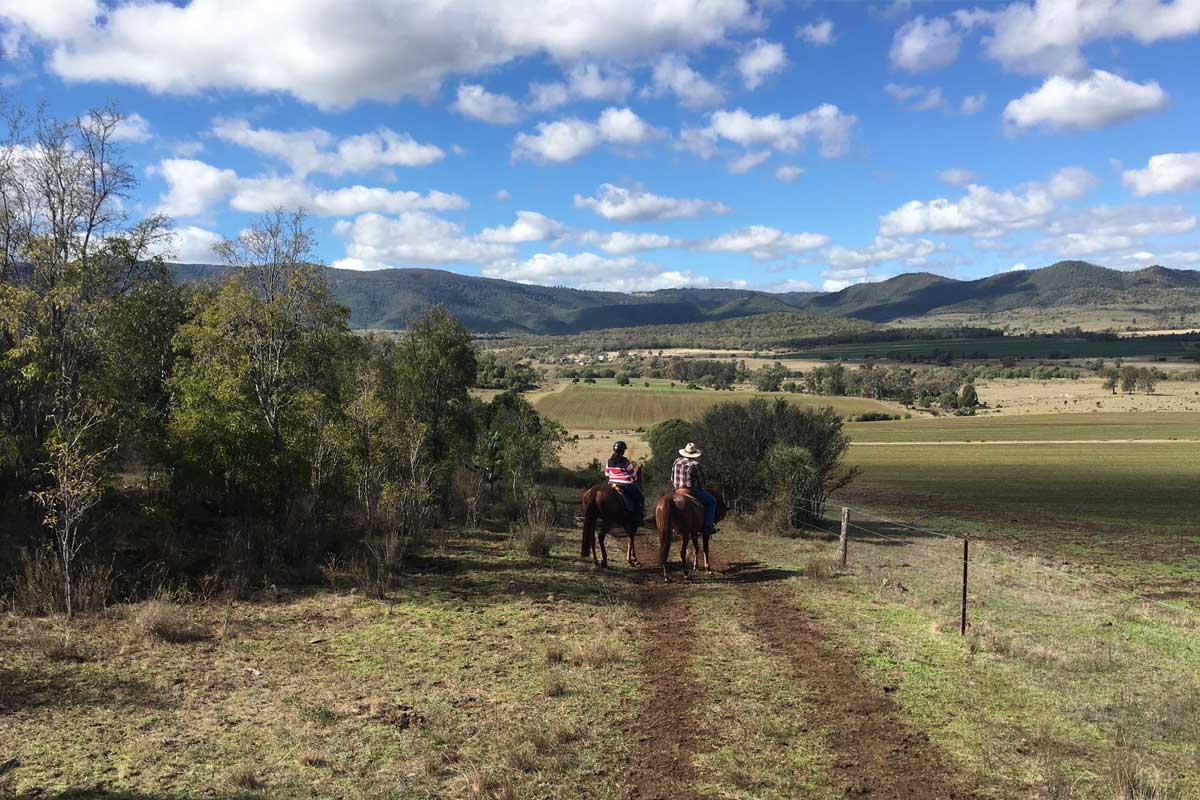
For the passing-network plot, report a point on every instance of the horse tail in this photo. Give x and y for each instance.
(664, 516)
(590, 511)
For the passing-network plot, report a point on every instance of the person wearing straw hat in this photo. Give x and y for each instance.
(686, 473)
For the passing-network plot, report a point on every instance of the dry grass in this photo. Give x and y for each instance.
(60, 646)
(167, 622)
(555, 685)
(822, 568)
(533, 542)
(1132, 779)
(245, 779)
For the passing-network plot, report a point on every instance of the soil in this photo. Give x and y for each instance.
(877, 754)
(662, 767)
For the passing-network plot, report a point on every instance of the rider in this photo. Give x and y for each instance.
(621, 470)
(686, 473)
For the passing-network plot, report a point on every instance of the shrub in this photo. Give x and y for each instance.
(875, 416)
(166, 621)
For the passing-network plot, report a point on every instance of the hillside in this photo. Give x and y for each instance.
(388, 298)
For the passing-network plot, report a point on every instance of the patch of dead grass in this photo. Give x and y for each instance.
(167, 622)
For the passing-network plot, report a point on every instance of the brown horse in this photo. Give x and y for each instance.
(604, 503)
(681, 513)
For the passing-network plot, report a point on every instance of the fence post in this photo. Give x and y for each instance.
(845, 530)
(962, 626)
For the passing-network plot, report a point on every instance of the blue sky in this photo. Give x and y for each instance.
(626, 145)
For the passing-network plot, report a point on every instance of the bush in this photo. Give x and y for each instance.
(874, 416)
(36, 586)
(166, 621)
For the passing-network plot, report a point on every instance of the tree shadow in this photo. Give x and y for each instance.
(755, 572)
(33, 687)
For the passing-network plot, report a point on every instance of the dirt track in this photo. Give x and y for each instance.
(875, 752)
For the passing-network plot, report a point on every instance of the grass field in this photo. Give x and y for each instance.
(1051, 485)
(623, 408)
(493, 675)
(1031, 427)
(1004, 347)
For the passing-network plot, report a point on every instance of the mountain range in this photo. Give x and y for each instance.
(387, 299)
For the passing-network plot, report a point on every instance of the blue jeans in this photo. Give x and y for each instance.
(710, 506)
(634, 493)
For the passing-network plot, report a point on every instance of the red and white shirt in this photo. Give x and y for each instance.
(620, 470)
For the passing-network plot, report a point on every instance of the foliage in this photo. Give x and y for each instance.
(519, 442)
(738, 439)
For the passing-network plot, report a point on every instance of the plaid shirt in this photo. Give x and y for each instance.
(686, 474)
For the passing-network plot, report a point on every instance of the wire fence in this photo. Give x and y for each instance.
(1101, 657)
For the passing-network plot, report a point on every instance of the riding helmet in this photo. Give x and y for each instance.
(618, 447)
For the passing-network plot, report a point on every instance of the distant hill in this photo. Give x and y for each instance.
(387, 299)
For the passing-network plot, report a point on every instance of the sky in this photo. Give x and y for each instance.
(632, 145)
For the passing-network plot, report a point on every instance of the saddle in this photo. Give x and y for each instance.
(688, 494)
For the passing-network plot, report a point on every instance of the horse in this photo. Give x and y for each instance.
(680, 512)
(604, 503)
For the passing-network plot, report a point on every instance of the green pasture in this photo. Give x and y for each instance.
(1008, 347)
(593, 407)
(1032, 427)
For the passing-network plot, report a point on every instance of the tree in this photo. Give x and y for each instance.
(257, 370)
(622, 379)
(791, 473)
(528, 443)
(1147, 379)
(770, 378)
(1112, 377)
(69, 261)
(1129, 378)
(967, 396)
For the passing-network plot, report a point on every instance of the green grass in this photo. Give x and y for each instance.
(583, 407)
(1055, 687)
(1127, 508)
(337, 695)
(1008, 346)
(1032, 427)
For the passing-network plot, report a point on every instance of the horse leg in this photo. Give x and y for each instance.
(631, 548)
(603, 549)
(707, 562)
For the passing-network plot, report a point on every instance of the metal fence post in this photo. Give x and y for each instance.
(845, 530)
(962, 626)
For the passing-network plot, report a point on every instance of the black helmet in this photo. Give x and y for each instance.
(618, 446)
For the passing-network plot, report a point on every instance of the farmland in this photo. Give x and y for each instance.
(626, 408)
(994, 347)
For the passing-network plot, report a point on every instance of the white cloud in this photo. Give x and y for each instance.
(788, 173)
(529, 227)
(357, 199)
(838, 279)
(923, 44)
(762, 242)
(503, 194)
(671, 74)
(584, 82)
(624, 242)
(590, 271)
(637, 205)
(817, 33)
(1019, 267)
(1166, 172)
(193, 186)
(983, 212)
(917, 98)
(912, 252)
(568, 139)
(1131, 220)
(368, 49)
(747, 161)
(826, 123)
(1094, 101)
(762, 60)
(973, 103)
(192, 245)
(61, 19)
(1071, 182)
(563, 140)
(957, 177)
(187, 149)
(475, 101)
(622, 126)
(1046, 36)
(413, 238)
(133, 128)
(313, 150)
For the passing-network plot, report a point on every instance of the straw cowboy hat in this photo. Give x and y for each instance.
(691, 451)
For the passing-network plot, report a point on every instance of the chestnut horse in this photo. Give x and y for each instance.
(604, 503)
(680, 512)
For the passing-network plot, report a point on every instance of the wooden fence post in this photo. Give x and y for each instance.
(845, 530)
(962, 626)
